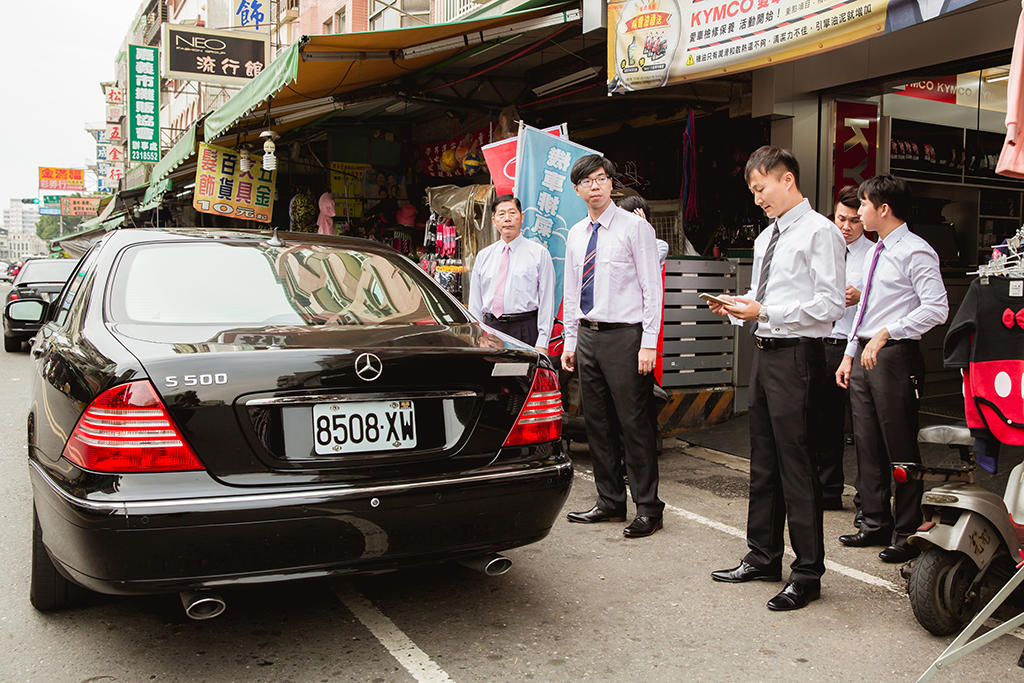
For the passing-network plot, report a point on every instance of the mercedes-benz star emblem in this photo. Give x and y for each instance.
(368, 367)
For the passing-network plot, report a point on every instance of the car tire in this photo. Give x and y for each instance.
(49, 590)
(12, 344)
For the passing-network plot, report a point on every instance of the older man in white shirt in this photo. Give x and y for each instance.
(797, 295)
(513, 282)
(903, 298)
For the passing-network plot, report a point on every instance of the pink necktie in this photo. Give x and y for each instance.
(498, 307)
(867, 288)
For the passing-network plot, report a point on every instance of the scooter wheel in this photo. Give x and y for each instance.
(939, 590)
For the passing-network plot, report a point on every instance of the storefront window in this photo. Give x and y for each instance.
(943, 134)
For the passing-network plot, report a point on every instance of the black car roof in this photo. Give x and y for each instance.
(126, 236)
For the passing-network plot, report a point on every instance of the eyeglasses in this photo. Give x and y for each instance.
(600, 180)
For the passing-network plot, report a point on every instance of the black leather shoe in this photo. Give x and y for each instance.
(596, 514)
(897, 554)
(745, 572)
(641, 526)
(794, 596)
(832, 503)
(858, 518)
(863, 539)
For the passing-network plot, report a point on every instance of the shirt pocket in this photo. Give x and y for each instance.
(620, 269)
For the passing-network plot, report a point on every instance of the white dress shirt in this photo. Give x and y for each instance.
(529, 283)
(627, 278)
(906, 295)
(856, 270)
(805, 292)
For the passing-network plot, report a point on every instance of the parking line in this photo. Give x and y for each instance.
(852, 573)
(414, 660)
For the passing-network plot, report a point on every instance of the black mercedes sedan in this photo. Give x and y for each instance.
(220, 407)
(36, 283)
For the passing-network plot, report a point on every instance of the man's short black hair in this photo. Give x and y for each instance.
(502, 198)
(848, 197)
(887, 189)
(633, 202)
(586, 165)
(767, 158)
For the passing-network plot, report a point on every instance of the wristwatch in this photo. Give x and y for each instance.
(762, 315)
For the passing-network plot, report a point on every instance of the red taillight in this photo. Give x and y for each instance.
(540, 419)
(899, 474)
(12, 296)
(127, 429)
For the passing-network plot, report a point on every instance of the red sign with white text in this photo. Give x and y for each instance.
(856, 144)
(501, 161)
(935, 89)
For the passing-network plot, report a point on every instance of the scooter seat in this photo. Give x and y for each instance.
(949, 435)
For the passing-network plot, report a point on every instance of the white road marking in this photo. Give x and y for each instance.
(850, 572)
(414, 660)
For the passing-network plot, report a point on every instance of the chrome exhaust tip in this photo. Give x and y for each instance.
(490, 565)
(200, 605)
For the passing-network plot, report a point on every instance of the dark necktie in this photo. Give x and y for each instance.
(766, 264)
(589, 268)
(867, 288)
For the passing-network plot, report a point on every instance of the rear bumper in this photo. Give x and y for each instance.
(170, 545)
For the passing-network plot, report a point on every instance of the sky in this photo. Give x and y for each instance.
(55, 53)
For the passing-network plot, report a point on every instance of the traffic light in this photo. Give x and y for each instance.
(30, 200)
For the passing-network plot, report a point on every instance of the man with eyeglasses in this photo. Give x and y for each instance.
(512, 288)
(612, 308)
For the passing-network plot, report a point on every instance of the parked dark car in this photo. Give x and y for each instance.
(284, 410)
(36, 283)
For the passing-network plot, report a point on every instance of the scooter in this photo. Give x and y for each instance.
(969, 540)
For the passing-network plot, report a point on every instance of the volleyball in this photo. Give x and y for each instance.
(472, 163)
(448, 161)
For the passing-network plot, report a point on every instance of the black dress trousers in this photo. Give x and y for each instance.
(524, 329)
(617, 413)
(885, 403)
(831, 422)
(783, 469)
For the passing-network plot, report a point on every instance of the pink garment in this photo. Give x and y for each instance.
(1011, 160)
(326, 218)
(498, 307)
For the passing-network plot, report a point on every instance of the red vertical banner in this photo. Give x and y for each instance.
(856, 144)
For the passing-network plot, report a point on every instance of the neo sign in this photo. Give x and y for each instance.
(213, 56)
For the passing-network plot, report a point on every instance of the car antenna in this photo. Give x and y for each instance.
(274, 240)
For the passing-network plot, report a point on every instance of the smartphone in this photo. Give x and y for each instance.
(716, 299)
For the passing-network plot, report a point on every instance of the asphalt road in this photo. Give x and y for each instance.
(584, 604)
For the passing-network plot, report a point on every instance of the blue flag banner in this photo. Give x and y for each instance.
(550, 203)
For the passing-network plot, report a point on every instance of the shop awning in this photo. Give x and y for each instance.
(176, 155)
(304, 82)
(79, 242)
(154, 194)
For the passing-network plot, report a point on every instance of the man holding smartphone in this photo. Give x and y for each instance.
(903, 297)
(795, 296)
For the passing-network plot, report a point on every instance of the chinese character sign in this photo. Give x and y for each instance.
(501, 160)
(61, 178)
(216, 56)
(223, 188)
(654, 43)
(143, 104)
(348, 185)
(550, 203)
(250, 13)
(79, 206)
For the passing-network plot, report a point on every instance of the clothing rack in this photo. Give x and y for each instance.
(1010, 264)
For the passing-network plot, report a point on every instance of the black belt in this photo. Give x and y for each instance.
(834, 342)
(770, 343)
(889, 342)
(513, 317)
(598, 326)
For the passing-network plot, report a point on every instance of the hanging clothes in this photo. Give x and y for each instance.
(1011, 159)
(985, 342)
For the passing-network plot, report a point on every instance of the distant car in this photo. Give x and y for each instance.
(289, 409)
(36, 283)
(12, 270)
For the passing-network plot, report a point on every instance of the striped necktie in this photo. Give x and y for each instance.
(589, 268)
(766, 265)
(867, 288)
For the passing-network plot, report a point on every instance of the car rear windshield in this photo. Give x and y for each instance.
(50, 270)
(256, 284)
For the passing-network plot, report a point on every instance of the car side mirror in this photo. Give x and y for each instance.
(26, 311)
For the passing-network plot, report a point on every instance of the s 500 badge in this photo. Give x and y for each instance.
(204, 380)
